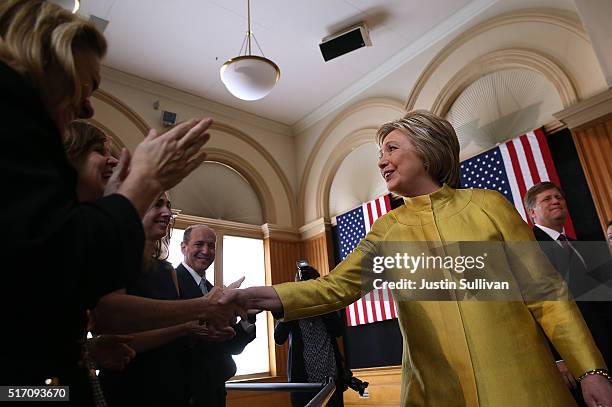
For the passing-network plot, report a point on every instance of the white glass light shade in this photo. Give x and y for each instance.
(249, 77)
(70, 5)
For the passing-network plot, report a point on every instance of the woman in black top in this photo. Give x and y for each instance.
(49, 68)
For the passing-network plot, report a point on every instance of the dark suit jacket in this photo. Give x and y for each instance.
(578, 275)
(185, 372)
(60, 256)
(212, 361)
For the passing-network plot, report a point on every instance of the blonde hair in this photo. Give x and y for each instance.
(435, 141)
(38, 39)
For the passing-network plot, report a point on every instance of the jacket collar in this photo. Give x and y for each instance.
(429, 202)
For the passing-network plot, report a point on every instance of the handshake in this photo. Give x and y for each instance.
(221, 306)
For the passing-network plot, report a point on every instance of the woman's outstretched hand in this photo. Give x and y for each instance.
(253, 299)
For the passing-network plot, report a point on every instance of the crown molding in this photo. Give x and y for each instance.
(587, 110)
(276, 232)
(454, 22)
(315, 228)
(565, 20)
(220, 226)
(227, 113)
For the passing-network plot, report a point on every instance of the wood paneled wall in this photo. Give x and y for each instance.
(384, 388)
(385, 383)
(280, 261)
(258, 399)
(319, 252)
(593, 141)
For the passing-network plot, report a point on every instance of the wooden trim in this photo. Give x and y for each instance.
(277, 232)
(220, 226)
(319, 252)
(594, 145)
(587, 111)
(315, 228)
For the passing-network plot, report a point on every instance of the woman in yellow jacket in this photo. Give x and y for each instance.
(456, 352)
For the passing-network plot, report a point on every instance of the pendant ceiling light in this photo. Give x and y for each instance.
(70, 5)
(249, 77)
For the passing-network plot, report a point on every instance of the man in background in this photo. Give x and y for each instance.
(213, 364)
(546, 206)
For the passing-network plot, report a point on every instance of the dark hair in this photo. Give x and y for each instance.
(309, 273)
(161, 247)
(79, 139)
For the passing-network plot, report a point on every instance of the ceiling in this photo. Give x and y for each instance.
(183, 43)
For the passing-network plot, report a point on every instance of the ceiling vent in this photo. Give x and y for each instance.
(345, 41)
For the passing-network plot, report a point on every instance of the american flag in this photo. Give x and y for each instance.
(352, 226)
(512, 168)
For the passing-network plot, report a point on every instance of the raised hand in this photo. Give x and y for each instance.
(171, 156)
(111, 351)
(160, 162)
(120, 172)
(235, 284)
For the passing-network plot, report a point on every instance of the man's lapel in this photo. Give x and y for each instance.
(188, 287)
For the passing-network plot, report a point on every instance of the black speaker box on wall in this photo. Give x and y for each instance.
(344, 42)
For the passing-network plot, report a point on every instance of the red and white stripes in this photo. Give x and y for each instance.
(376, 305)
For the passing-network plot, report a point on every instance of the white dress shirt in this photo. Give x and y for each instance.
(196, 277)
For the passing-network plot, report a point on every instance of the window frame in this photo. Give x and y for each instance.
(231, 228)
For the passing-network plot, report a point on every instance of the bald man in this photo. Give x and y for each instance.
(213, 364)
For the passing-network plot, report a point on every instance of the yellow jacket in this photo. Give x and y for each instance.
(463, 353)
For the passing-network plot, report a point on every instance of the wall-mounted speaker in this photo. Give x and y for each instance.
(345, 41)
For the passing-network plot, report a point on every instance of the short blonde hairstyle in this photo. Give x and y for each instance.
(435, 141)
(38, 39)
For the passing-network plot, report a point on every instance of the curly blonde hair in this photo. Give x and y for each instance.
(38, 39)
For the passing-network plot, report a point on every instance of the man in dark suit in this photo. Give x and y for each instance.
(546, 206)
(213, 364)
